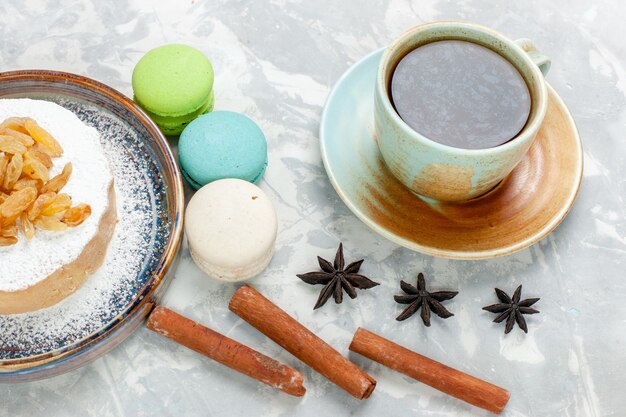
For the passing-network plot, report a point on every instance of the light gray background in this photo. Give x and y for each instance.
(276, 62)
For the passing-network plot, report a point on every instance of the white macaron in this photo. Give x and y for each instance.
(231, 229)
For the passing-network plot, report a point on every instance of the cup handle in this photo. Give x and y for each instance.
(542, 61)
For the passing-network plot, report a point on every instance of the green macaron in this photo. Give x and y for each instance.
(174, 85)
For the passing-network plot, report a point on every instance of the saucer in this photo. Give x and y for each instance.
(525, 207)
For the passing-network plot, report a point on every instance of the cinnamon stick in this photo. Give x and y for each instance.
(439, 376)
(283, 329)
(226, 351)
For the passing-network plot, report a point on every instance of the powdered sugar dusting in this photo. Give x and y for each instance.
(135, 247)
(30, 261)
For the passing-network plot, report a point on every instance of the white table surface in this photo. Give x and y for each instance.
(276, 61)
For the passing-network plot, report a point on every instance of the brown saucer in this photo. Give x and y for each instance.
(525, 207)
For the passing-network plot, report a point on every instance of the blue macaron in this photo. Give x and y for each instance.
(222, 144)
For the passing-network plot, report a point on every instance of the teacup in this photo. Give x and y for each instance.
(442, 172)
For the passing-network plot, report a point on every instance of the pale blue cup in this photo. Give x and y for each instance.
(442, 172)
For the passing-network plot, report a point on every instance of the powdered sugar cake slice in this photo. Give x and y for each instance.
(39, 272)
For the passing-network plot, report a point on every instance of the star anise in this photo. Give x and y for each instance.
(337, 279)
(512, 309)
(419, 297)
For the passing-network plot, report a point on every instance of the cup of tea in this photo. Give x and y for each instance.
(457, 105)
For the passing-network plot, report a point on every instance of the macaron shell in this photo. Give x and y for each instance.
(173, 80)
(195, 185)
(222, 144)
(231, 274)
(231, 228)
(174, 125)
(189, 180)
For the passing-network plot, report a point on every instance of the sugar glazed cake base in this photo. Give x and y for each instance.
(43, 269)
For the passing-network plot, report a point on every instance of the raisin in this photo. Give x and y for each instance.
(18, 202)
(60, 203)
(36, 170)
(26, 226)
(8, 144)
(43, 201)
(50, 223)
(7, 241)
(42, 136)
(24, 138)
(77, 215)
(57, 183)
(37, 154)
(13, 172)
